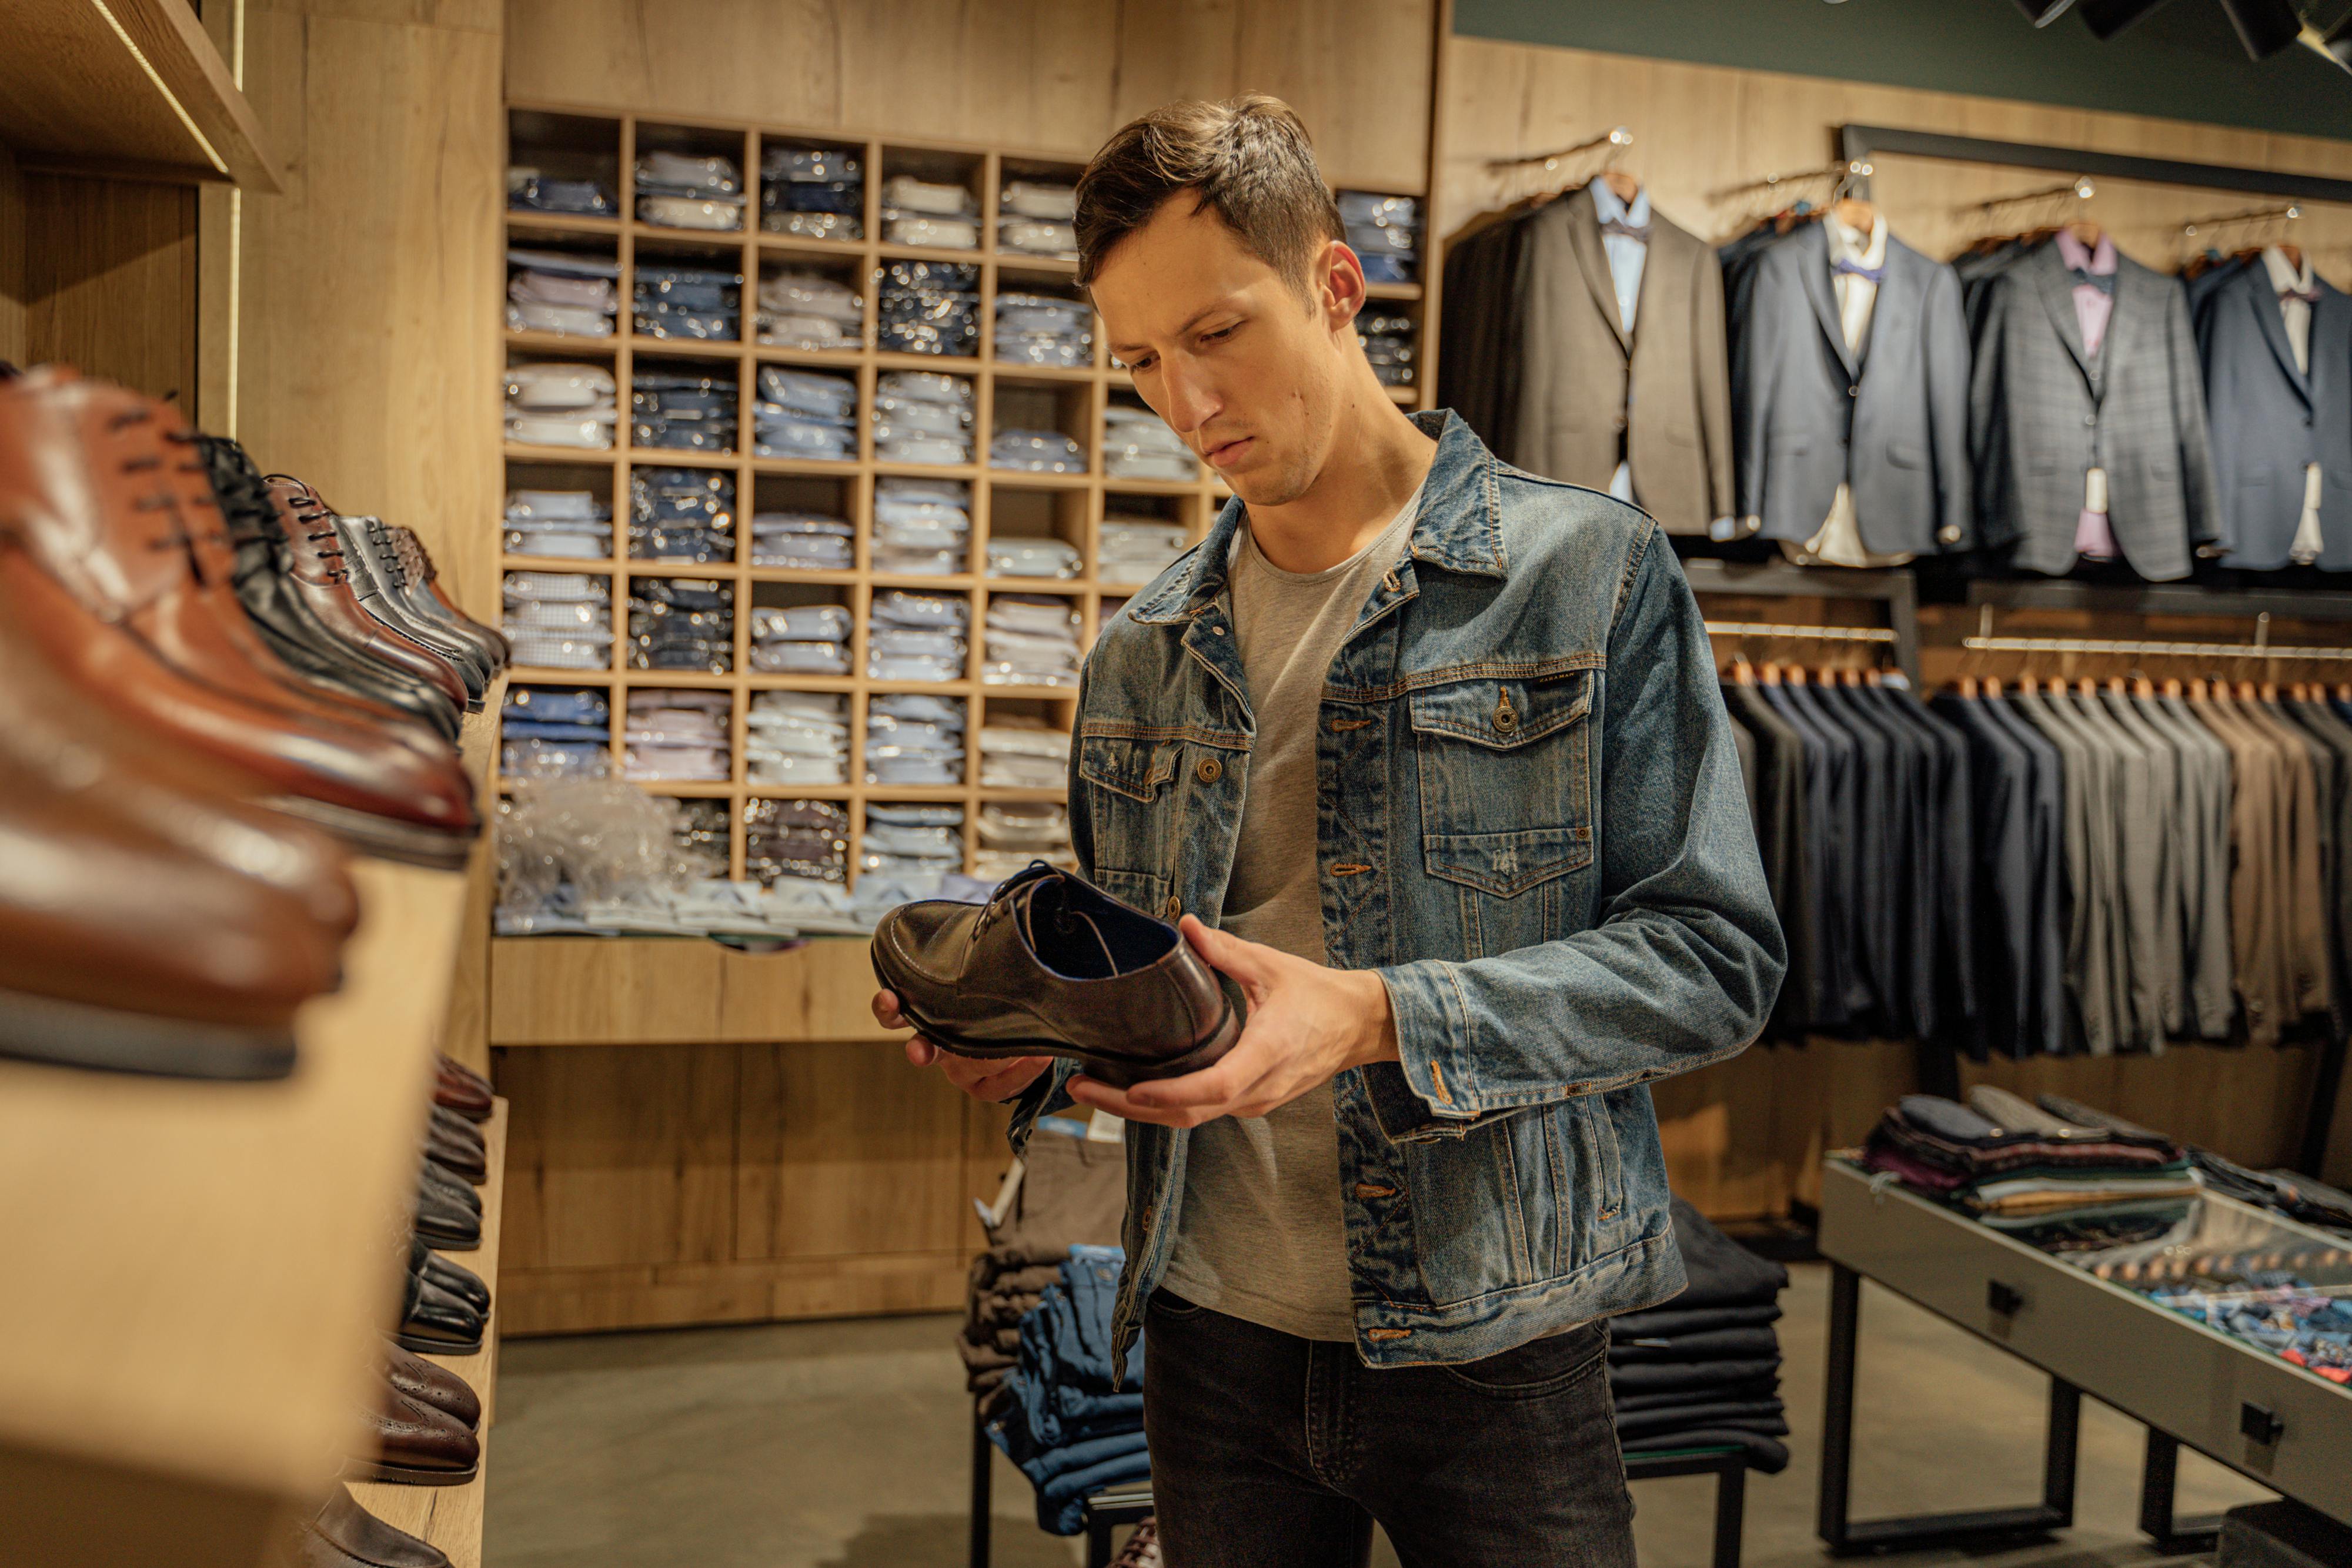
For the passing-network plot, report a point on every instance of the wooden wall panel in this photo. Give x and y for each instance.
(12, 261)
(1054, 75)
(109, 280)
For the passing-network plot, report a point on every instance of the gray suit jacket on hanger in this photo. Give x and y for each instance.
(1585, 379)
(2271, 419)
(1892, 422)
(2042, 411)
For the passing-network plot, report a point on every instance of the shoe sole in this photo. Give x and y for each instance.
(406, 1475)
(431, 848)
(106, 1040)
(1117, 1072)
(420, 1345)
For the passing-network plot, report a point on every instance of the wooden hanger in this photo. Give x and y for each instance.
(2172, 687)
(2197, 689)
(2087, 687)
(1622, 185)
(2087, 233)
(1874, 676)
(2143, 688)
(2115, 685)
(2269, 691)
(1855, 213)
(2344, 691)
(2246, 691)
(1992, 686)
(1851, 676)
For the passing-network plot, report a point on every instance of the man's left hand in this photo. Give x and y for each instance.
(1307, 1025)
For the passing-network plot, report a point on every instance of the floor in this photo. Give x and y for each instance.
(846, 1444)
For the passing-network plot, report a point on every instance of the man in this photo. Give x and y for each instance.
(1438, 747)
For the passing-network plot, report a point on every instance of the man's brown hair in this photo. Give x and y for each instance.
(1246, 159)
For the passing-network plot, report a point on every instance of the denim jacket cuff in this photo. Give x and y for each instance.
(1049, 1094)
(1428, 1092)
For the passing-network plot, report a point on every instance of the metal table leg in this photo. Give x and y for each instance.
(2172, 1535)
(1730, 1510)
(984, 1474)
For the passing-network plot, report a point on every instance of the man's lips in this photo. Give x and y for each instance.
(1224, 452)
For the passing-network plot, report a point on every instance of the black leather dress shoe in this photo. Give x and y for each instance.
(448, 1124)
(1052, 966)
(435, 1323)
(342, 1534)
(377, 579)
(444, 1222)
(460, 1282)
(469, 1160)
(438, 1178)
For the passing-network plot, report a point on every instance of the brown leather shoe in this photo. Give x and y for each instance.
(98, 563)
(461, 1089)
(428, 1382)
(342, 1534)
(412, 1442)
(121, 951)
(316, 557)
(1052, 966)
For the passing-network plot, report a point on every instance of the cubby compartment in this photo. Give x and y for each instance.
(810, 302)
(686, 292)
(1140, 446)
(558, 511)
(925, 418)
(562, 167)
(1030, 637)
(918, 636)
(681, 624)
(813, 189)
(1035, 204)
(804, 413)
(681, 517)
(555, 732)
(803, 629)
(1390, 331)
(788, 837)
(1040, 427)
(1036, 535)
(563, 397)
(796, 740)
(563, 285)
(683, 405)
(803, 523)
(690, 178)
(680, 736)
(930, 198)
(558, 620)
(1042, 320)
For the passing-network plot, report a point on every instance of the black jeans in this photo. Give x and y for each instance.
(1274, 1451)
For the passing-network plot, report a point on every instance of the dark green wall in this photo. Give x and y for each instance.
(2182, 63)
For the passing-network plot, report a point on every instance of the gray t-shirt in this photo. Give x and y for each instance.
(1260, 1235)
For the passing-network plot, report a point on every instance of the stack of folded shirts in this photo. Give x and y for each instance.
(802, 542)
(1014, 832)
(1139, 445)
(914, 740)
(810, 907)
(1136, 550)
(1385, 233)
(701, 836)
(1037, 219)
(1064, 1419)
(2299, 1198)
(698, 302)
(1019, 554)
(1703, 1370)
(816, 193)
(681, 515)
(797, 739)
(920, 417)
(1388, 344)
(877, 895)
(682, 411)
(548, 733)
(533, 192)
(1032, 641)
(2004, 1159)
(681, 623)
(1021, 753)
(925, 212)
(809, 415)
(800, 308)
(679, 191)
(916, 636)
(681, 737)
(556, 291)
(1037, 452)
(800, 638)
(928, 307)
(559, 620)
(1041, 329)
(912, 840)
(565, 524)
(806, 838)
(922, 528)
(562, 404)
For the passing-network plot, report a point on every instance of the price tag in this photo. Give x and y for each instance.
(1105, 1128)
(2095, 491)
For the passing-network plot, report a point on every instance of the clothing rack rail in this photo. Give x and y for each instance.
(1617, 138)
(1867, 143)
(1779, 580)
(2081, 187)
(1793, 633)
(1844, 169)
(2152, 650)
(2231, 220)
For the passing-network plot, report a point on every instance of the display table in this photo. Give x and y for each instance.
(2278, 1424)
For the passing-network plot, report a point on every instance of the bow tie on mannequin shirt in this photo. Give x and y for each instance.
(2308, 296)
(2105, 282)
(1631, 231)
(1867, 274)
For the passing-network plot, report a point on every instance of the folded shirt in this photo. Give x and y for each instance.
(1037, 452)
(1139, 445)
(1012, 556)
(1136, 550)
(530, 190)
(817, 192)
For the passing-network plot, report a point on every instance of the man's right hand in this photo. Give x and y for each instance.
(995, 1080)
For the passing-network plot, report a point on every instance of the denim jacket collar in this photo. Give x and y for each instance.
(1460, 526)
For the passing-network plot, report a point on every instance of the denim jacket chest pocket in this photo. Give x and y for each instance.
(1128, 782)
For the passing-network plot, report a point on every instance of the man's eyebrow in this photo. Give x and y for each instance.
(1122, 350)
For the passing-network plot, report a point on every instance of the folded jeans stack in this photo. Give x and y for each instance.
(814, 192)
(682, 411)
(802, 541)
(800, 638)
(2007, 1161)
(677, 737)
(1021, 753)
(1014, 832)
(808, 415)
(1043, 330)
(559, 620)
(930, 212)
(1024, 554)
(1037, 452)
(684, 515)
(1389, 345)
(805, 839)
(545, 732)
(798, 738)
(920, 417)
(916, 636)
(1037, 218)
(922, 528)
(680, 191)
(701, 303)
(530, 190)
(1063, 1420)
(1068, 1190)
(1031, 639)
(681, 623)
(915, 740)
(1703, 1370)
(563, 524)
(556, 291)
(805, 309)
(1139, 445)
(1136, 550)
(562, 404)
(1385, 233)
(928, 307)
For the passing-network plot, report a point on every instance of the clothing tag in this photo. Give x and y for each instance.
(1722, 528)
(2095, 490)
(992, 1215)
(1105, 1128)
(2307, 540)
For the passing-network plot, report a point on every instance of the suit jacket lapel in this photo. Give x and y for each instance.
(2057, 291)
(2253, 282)
(1816, 271)
(1899, 295)
(1593, 260)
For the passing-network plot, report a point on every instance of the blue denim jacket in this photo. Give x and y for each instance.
(1532, 825)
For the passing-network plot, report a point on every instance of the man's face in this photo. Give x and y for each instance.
(1227, 350)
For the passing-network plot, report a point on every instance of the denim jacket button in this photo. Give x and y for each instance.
(1209, 770)
(1172, 908)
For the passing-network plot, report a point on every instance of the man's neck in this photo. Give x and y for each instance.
(1379, 458)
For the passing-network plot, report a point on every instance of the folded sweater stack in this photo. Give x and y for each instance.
(1703, 1370)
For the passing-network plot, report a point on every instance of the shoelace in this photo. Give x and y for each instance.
(307, 512)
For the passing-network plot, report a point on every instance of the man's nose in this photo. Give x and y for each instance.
(1191, 402)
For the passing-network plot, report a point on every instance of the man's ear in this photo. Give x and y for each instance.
(1338, 275)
